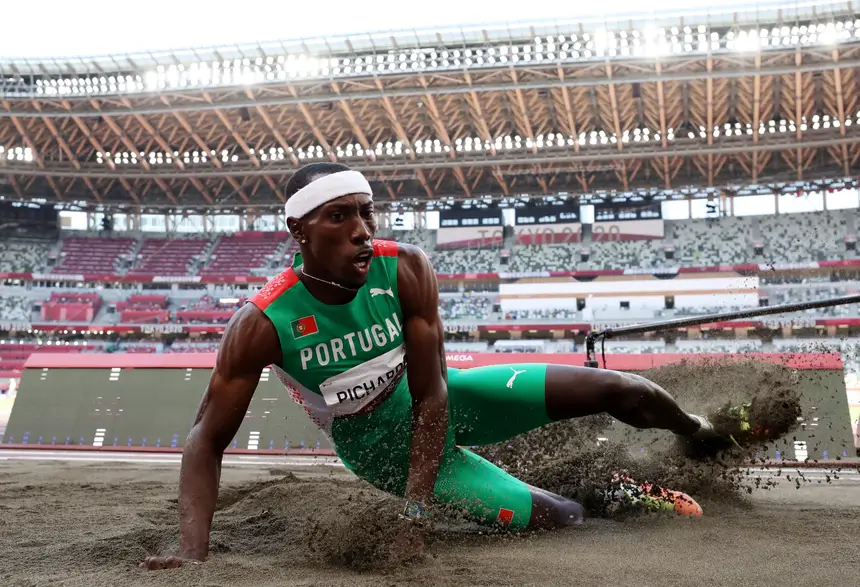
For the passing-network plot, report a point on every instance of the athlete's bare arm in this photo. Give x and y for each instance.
(250, 343)
(426, 371)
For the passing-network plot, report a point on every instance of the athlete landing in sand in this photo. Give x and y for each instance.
(339, 327)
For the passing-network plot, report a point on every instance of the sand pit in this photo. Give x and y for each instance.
(88, 525)
(66, 524)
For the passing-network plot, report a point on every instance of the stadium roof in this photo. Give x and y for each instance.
(659, 102)
(73, 33)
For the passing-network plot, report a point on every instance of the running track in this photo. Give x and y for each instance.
(300, 462)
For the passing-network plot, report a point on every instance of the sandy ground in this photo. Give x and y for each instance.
(90, 524)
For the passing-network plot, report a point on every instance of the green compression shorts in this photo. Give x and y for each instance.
(486, 405)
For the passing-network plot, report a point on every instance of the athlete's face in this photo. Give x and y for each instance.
(339, 235)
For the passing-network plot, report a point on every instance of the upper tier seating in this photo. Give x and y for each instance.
(24, 256)
(15, 308)
(543, 314)
(169, 256)
(795, 238)
(420, 237)
(705, 243)
(474, 307)
(624, 254)
(563, 257)
(94, 255)
(238, 254)
(466, 261)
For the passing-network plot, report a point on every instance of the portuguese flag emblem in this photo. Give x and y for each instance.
(304, 326)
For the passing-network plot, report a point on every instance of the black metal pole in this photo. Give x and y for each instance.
(709, 319)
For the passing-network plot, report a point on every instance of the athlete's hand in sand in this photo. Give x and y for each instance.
(409, 542)
(156, 563)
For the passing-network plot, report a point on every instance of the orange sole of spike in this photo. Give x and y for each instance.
(684, 504)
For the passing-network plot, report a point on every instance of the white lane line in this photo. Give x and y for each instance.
(142, 459)
(166, 461)
(86, 460)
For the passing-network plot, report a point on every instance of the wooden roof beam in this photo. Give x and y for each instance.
(476, 112)
(436, 119)
(25, 136)
(401, 136)
(239, 140)
(60, 140)
(353, 124)
(252, 155)
(274, 187)
(398, 128)
(129, 144)
(756, 114)
(840, 107)
(442, 132)
(422, 178)
(392, 194)
(30, 144)
(616, 122)
(237, 187)
(500, 178)
(798, 112)
(54, 187)
(96, 144)
(65, 147)
(568, 110)
(461, 179)
(123, 138)
(709, 129)
(183, 121)
(202, 189)
(166, 189)
(163, 144)
(522, 112)
(131, 191)
(159, 140)
(93, 140)
(16, 186)
(661, 106)
(267, 120)
(323, 142)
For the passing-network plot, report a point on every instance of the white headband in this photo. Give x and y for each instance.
(325, 189)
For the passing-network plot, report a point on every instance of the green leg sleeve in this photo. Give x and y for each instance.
(485, 493)
(493, 404)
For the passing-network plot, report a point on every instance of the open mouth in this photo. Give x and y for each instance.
(362, 260)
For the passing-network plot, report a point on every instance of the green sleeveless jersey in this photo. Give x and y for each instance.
(339, 359)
